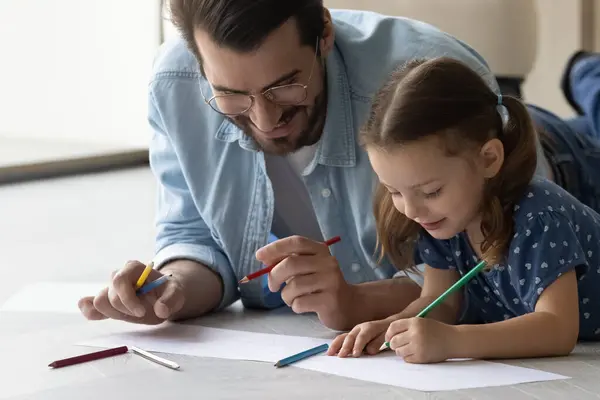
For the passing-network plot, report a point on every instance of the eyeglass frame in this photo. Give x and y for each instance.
(263, 93)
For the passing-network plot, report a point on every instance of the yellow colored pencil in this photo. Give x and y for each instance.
(142, 279)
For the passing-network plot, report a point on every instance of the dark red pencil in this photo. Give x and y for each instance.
(89, 357)
(268, 269)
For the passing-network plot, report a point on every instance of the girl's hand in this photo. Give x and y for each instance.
(367, 336)
(421, 340)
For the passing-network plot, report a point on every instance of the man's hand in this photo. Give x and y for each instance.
(119, 300)
(314, 281)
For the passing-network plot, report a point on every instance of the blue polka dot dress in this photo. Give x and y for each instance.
(553, 233)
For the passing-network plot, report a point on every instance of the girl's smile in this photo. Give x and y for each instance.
(432, 226)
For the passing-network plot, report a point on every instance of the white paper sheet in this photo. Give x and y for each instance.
(385, 368)
(210, 342)
(389, 369)
(52, 297)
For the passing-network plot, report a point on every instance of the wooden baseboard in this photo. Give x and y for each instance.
(73, 166)
(589, 24)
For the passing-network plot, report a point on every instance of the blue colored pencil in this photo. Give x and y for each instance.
(302, 355)
(151, 285)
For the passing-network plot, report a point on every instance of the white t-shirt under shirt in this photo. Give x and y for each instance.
(294, 212)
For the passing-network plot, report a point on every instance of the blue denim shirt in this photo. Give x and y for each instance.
(215, 200)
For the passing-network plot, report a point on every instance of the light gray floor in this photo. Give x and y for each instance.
(79, 229)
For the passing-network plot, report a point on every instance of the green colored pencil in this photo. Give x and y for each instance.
(457, 285)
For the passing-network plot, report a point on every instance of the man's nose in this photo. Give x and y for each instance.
(265, 114)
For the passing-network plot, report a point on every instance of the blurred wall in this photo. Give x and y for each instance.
(77, 70)
(557, 32)
(560, 34)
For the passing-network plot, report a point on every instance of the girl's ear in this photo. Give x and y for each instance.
(492, 157)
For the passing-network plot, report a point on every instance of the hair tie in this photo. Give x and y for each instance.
(502, 110)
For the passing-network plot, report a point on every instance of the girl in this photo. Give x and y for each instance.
(456, 168)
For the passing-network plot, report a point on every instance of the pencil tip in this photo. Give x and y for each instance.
(243, 280)
(277, 365)
(384, 346)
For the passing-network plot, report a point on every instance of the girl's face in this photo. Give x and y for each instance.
(440, 192)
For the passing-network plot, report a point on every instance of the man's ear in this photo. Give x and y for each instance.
(492, 157)
(328, 36)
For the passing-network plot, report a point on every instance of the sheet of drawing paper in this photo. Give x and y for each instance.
(51, 297)
(389, 369)
(385, 368)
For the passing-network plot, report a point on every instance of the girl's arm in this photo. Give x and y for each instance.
(551, 330)
(436, 282)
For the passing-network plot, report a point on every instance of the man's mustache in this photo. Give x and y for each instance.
(286, 117)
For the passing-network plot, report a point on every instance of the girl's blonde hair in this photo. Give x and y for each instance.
(443, 97)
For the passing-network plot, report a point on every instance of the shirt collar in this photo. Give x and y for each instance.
(337, 147)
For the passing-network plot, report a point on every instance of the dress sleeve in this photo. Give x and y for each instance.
(433, 252)
(543, 248)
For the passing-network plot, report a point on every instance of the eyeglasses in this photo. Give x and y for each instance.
(232, 104)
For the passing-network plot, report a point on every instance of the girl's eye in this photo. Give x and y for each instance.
(433, 194)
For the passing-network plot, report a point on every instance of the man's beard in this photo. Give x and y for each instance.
(285, 145)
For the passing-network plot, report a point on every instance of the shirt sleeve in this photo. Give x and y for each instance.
(543, 249)
(181, 232)
(433, 252)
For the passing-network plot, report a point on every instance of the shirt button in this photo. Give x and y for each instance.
(325, 192)
(355, 267)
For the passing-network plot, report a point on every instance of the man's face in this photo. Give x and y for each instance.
(280, 60)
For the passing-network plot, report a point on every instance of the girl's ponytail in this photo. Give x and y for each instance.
(504, 190)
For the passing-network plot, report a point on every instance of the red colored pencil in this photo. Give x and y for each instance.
(89, 357)
(268, 269)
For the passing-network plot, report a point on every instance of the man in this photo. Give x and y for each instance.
(580, 84)
(572, 146)
(255, 115)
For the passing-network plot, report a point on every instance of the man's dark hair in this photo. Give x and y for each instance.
(243, 25)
